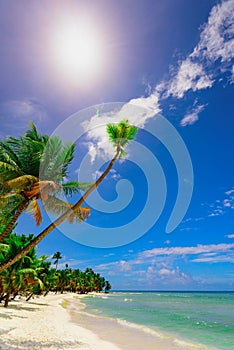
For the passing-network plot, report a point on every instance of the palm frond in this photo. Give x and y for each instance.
(32, 132)
(72, 187)
(10, 201)
(34, 166)
(3, 247)
(121, 134)
(34, 209)
(21, 183)
(112, 131)
(28, 271)
(132, 132)
(42, 189)
(9, 154)
(58, 207)
(56, 159)
(7, 167)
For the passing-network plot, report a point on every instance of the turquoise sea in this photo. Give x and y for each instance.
(195, 317)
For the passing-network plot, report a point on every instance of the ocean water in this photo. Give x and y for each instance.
(195, 318)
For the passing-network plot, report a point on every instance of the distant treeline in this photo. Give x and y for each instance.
(32, 275)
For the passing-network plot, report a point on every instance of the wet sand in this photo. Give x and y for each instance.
(124, 334)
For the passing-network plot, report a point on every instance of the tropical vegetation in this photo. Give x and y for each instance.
(31, 275)
(119, 135)
(33, 167)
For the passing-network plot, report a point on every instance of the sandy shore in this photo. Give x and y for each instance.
(61, 322)
(43, 323)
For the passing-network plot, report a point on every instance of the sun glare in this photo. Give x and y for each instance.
(78, 50)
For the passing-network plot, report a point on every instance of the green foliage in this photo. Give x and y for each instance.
(35, 167)
(34, 276)
(71, 187)
(32, 167)
(121, 134)
(21, 275)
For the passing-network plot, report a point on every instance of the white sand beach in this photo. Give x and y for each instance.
(60, 322)
(43, 323)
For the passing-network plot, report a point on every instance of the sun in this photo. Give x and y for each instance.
(78, 50)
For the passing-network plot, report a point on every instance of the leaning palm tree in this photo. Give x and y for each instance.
(57, 256)
(120, 136)
(33, 168)
(16, 277)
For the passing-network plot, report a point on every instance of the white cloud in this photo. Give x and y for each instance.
(92, 151)
(167, 241)
(167, 275)
(151, 103)
(138, 111)
(190, 76)
(149, 275)
(230, 192)
(114, 175)
(125, 266)
(230, 236)
(120, 266)
(161, 267)
(175, 275)
(157, 260)
(191, 118)
(211, 56)
(194, 73)
(24, 110)
(227, 203)
(108, 255)
(164, 272)
(222, 206)
(216, 212)
(215, 259)
(216, 40)
(222, 247)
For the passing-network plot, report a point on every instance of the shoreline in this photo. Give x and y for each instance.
(60, 321)
(127, 335)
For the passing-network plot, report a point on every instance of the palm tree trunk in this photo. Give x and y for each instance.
(7, 299)
(29, 297)
(10, 226)
(4, 265)
(14, 295)
(2, 297)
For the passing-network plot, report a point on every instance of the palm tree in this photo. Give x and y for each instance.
(33, 168)
(31, 275)
(22, 275)
(107, 286)
(75, 277)
(47, 275)
(57, 256)
(119, 135)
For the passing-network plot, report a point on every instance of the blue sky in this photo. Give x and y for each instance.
(170, 59)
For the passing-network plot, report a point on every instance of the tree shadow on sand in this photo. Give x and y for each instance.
(41, 304)
(21, 307)
(36, 345)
